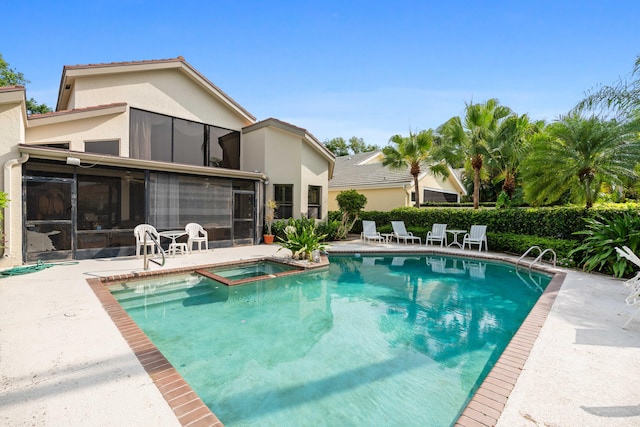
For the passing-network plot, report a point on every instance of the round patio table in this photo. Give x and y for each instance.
(455, 237)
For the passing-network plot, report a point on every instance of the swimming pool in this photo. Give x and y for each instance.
(394, 340)
(238, 273)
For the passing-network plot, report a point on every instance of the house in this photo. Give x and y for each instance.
(387, 188)
(147, 142)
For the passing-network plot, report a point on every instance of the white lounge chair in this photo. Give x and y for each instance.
(438, 233)
(140, 231)
(400, 232)
(476, 236)
(632, 284)
(197, 235)
(369, 232)
(632, 300)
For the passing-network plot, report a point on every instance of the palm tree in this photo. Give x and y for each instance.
(414, 152)
(576, 155)
(622, 98)
(510, 146)
(470, 140)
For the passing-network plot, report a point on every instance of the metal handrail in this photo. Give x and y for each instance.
(160, 251)
(538, 258)
(541, 255)
(527, 253)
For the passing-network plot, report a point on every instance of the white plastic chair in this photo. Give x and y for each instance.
(369, 232)
(632, 300)
(476, 236)
(400, 232)
(438, 233)
(139, 232)
(632, 284)
(197, 235)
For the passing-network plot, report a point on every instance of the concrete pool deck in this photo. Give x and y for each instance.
(64, 362)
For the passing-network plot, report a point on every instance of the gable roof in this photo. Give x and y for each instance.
(301, 132)
(76, 114)
(365, 170)
(71, 72)
(362, 170)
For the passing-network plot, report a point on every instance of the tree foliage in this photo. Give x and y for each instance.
(11, 77)
(413, 152)
(340, 147)
(469, 139)
(351, 204)
(621, 99)
(576, 155)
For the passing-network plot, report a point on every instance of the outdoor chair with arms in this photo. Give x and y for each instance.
(438, 233)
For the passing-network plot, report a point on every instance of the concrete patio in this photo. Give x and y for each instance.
(63, 361)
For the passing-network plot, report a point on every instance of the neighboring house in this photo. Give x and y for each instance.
(147, 142)
(387, 188)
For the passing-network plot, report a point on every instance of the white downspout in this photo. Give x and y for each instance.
(7, 189)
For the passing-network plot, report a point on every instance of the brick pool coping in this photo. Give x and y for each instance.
(484, 408)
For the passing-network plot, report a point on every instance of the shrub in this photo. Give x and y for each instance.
(301, 238)
(602, 236)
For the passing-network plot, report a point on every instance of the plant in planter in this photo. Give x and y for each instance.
(271, 206)
(301, 239)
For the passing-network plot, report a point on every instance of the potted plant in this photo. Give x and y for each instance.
(271, 206)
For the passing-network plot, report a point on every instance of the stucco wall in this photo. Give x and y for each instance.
(378, 199)
(287, 158)
(11, 134)
(314, 169)
(75, 132)
(168, 92)
(283, 159)
(433, 183)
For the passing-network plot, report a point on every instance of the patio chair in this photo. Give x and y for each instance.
(198, 235)
(369, 232)
(438, 233)
(632, 300)
(140, 231)
(400, 232)
(476, 236)
(632, 284)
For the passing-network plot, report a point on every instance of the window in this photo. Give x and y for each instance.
(284, 199)
(189, 142)
(111, 147)
(170, 139)
(413, 196)
(175, 200)
(99, 202)
(314, 202)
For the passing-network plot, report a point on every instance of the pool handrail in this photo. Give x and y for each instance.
(160, 251)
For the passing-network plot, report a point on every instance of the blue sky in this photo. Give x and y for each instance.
(369, 69)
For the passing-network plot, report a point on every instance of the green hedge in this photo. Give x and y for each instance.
(555, 222)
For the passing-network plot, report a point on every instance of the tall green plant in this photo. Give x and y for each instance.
(351, 204)
(413, 152)
(469, 139)
(576, 155)
(301, 238)
(602, 237)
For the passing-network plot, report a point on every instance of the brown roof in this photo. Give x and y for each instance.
(117, 64)
(76, 110)
(11, 88)
(179, 59)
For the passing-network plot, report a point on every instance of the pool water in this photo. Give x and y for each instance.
(375, 340)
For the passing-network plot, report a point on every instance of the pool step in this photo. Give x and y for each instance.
(150, 296)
